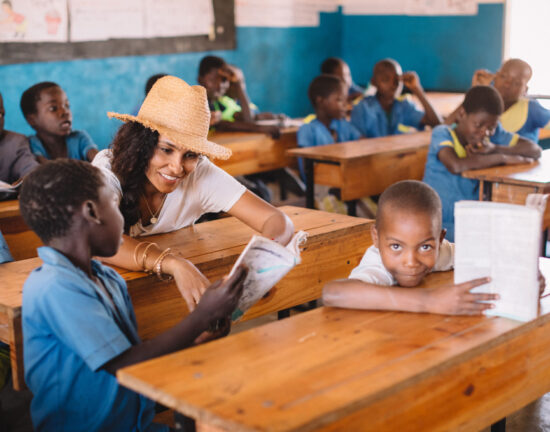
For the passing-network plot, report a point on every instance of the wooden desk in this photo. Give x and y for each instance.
(255, 152)
(364, 167)
(512, 183)
(335, 246)
(444, 102)
(544, 134)
(343, 370)
(21, 240)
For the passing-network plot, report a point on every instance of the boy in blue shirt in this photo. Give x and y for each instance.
(328, 95)
(46, 109)
(521, 115)
(78, 321)
(388, 113)
(477, 140)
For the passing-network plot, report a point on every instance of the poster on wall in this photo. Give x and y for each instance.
(33, 21)
(410, 7)
(171, 18)
(279, 13)
(93, 20)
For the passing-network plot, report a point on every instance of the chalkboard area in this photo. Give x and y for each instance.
(224, 13)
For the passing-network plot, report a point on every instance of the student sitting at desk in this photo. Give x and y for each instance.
(408, 244)
(78, 321)
(159, 164)
(477, 140)
(337, 66)
(46, 108)
(521, 115)
(388, 113)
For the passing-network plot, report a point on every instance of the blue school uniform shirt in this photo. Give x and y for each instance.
(525, 118)
(453, 187)
(315, 133)
(79, 143)
(70, 330)
(372, 121)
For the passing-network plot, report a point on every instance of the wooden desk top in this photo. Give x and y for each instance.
(335, 369)
(209, 245)
(363, 148)
(536, 174)
(9, 209)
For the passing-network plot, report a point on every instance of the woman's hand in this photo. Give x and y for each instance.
(190, 281)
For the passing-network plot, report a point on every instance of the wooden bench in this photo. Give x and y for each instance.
(364, 167)
(253, 152)
(20, 239)
(335, 246)
(348, 370)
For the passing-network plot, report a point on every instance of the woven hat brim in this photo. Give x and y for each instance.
(193, 143)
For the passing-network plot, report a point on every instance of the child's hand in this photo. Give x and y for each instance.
(220, 329)
(483, 147)
(411, 81)
(509, 159)
(482, 77)
(221, 298)
(458, 300)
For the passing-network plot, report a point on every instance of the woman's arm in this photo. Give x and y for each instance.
(263, 217)
(139, 256)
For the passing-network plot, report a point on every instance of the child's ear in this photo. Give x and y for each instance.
(90, 212)
(318, 100)
(374, 235)
(526, 90)
(31, 119)
(461, 113)
(442, 235)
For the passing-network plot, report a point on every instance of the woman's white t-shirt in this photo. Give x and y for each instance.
(207, 189)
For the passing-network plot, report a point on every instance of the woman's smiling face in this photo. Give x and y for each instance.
(169, 165)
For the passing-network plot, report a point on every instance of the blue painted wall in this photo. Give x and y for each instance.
(279, 64)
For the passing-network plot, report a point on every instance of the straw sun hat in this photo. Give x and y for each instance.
(179, 111)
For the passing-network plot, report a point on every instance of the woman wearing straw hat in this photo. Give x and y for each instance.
(158, 162)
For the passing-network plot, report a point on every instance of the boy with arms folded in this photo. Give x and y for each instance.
(476, 140)
(78, 321)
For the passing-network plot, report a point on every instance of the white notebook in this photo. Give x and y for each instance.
(502, 241)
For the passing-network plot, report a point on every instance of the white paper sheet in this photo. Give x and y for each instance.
(170, 18)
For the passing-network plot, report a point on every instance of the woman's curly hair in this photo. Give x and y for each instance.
(132, 148)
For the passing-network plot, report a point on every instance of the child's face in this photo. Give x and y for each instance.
(511, 81)
(53, 114)
(335, 105)
(344, 73)
(215, 82)
(409, 244)
(2, 115)
(169, 165)
(476, 127)
(107, 239)
(387, 80)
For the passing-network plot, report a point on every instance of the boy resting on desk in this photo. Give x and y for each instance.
(477, 140)
(78, 321)
(521, 115)
(388, 112)
(408, 244)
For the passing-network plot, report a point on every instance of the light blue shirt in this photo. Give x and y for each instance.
(5, 255)
(79, 143)
(525, 118)
(315, 133)
(372, 121)
(453, 187)
(70, 330)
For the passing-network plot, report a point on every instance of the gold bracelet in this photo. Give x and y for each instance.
(157, 266)
(136, 251)
(144, 257)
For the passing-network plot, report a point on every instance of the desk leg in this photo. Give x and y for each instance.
(499, 426)
(16, 352)
(310, 184)
(352, 207)
(486, 190)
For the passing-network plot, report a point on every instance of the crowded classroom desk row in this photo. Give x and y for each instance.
(334, 370)
(334, 246)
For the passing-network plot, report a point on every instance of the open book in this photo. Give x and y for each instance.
(268, 262)
(501, 241)
(8, 191)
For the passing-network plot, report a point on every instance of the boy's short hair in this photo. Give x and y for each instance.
(411, 196)
(151, 82)
(385, 64)
(52, 193)
(330, 65)
(483, 98)
(30, 97)
(323, 86)
(210, 62)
